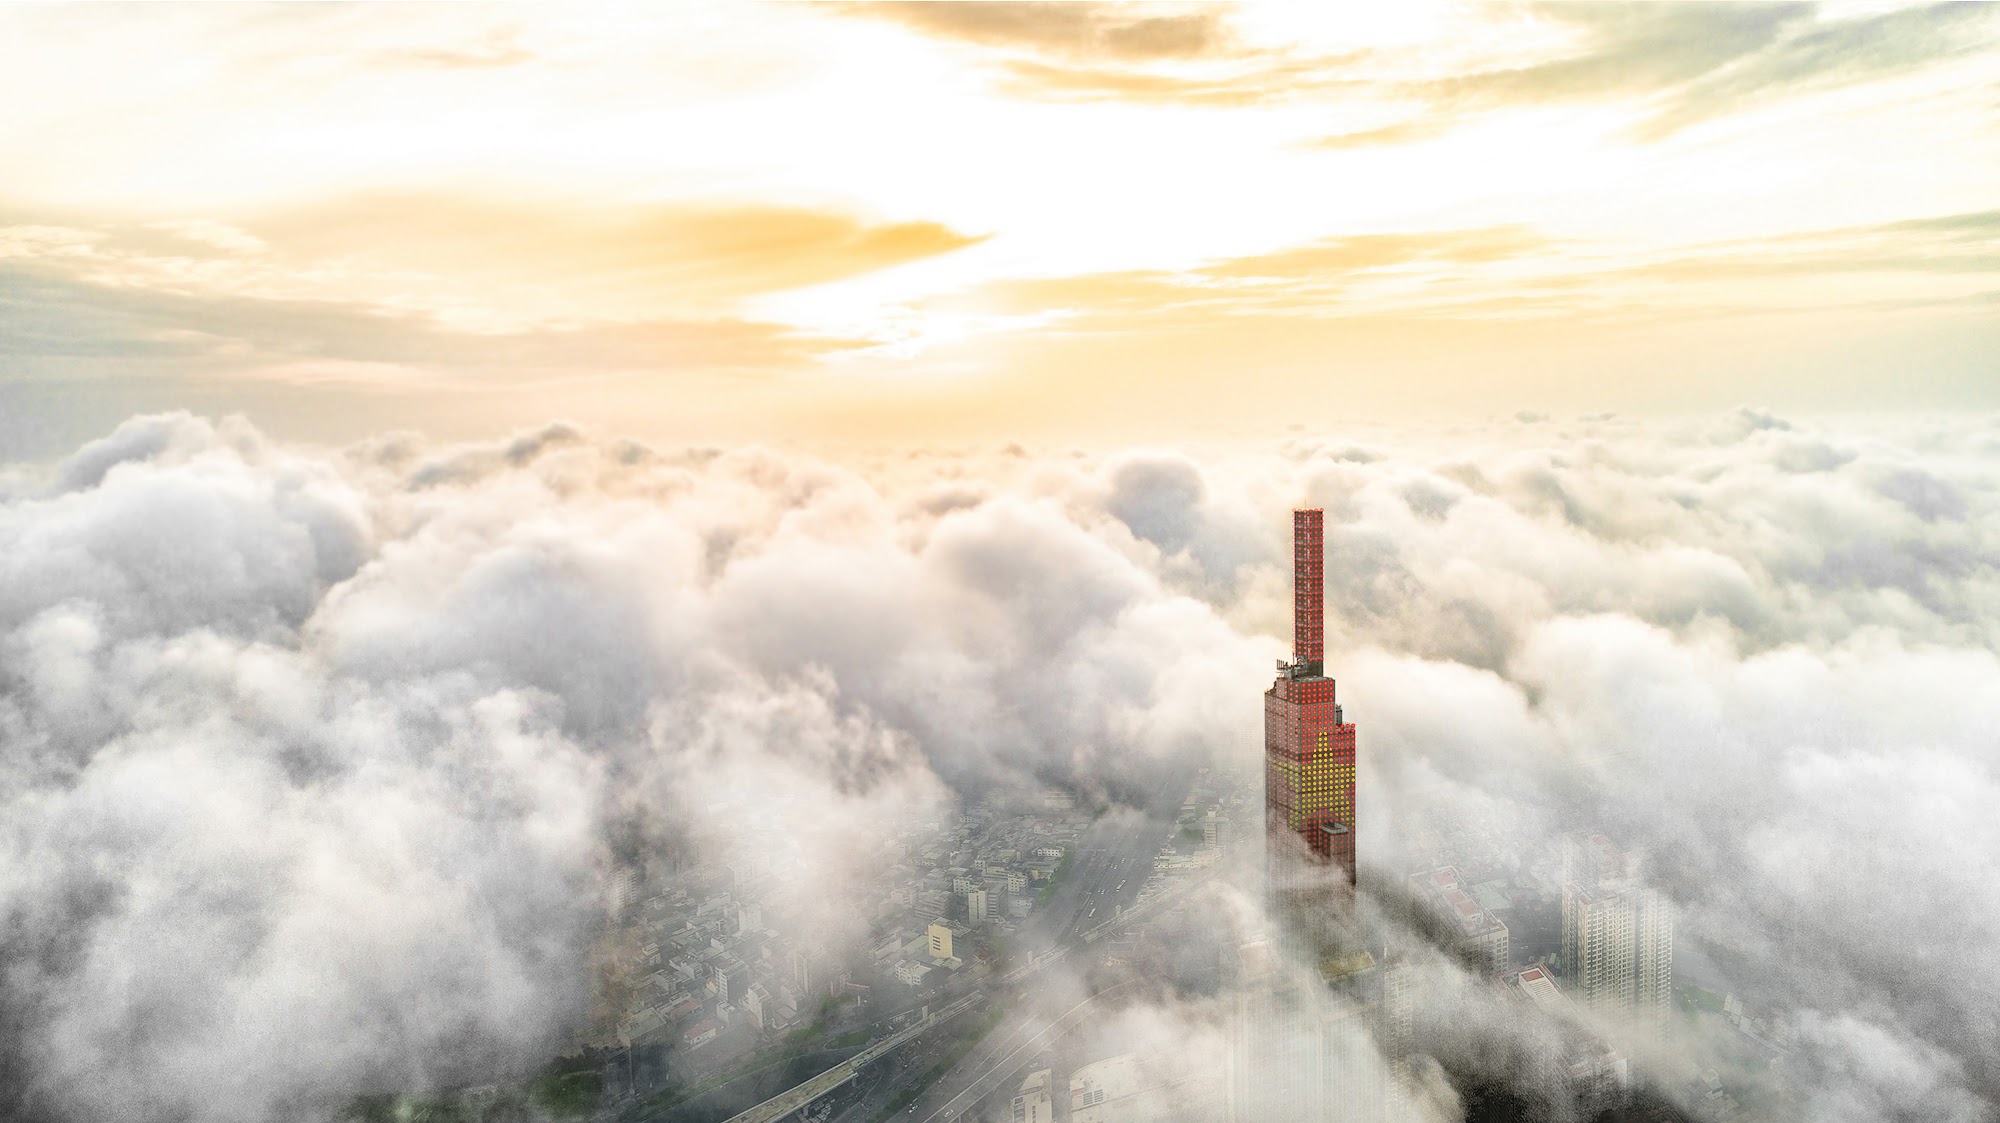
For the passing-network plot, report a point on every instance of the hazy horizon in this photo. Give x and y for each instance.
(886, 223)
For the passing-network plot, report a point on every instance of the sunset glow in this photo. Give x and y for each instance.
(832, 221)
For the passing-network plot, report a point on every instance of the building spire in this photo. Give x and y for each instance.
(1309, 588)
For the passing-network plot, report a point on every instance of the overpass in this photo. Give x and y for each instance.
(785, 1103)
(800, 1095)
(1017, 1058)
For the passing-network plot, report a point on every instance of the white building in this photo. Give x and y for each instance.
(1617, 950)
(1214, 830)
(1035, 1102)
(625, 886)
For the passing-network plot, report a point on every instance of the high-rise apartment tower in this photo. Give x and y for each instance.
(1308, 746)
(1617, 951)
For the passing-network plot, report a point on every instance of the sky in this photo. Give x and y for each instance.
(851, 223)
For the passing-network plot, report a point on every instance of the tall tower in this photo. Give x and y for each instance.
(1308, 745)
(1306, 1046)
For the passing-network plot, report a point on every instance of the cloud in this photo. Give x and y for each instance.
(315, 760)
(1836, 53)
(274, 675)
(1631, 49)
(1399, 281)
(1163, 54)
(55, 324)
(1325, 278)
(1354, 253)
(1255, 78)
(1679, 65)
(1698, 63)
(1400, 132)
(368, 288)
(1087, 30)
(677, 253)
(1943, 244)
(498, 47)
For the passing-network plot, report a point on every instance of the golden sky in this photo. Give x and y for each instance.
(887, 221)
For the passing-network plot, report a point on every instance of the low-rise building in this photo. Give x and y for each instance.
(1035, 1102)
(1478, 934)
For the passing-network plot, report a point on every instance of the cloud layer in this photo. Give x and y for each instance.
(314, 760)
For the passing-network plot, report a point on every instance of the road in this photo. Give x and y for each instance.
(785, 1104)
(1112, 860)
(998, 1059)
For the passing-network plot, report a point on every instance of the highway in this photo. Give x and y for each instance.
(777, 1107)
(1113, 857)
(985, 1070)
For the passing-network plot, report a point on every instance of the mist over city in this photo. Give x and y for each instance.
(999, 563)
(326, 765)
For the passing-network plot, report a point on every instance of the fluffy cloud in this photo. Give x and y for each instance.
(314, 763)
(314, 760)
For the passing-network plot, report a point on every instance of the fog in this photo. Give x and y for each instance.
(314, 761)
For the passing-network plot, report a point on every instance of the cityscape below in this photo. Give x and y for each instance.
(1004, 940)
(565, 778)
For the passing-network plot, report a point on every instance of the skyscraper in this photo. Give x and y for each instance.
(1617, 934)
(1308, 746)
(1304, 1045)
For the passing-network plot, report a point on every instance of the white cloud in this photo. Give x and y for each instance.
(313, 760)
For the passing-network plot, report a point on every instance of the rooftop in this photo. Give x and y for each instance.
(1542, 991)
(1442, 886)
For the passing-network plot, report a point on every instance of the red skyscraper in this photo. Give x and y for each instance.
(1308, 748)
